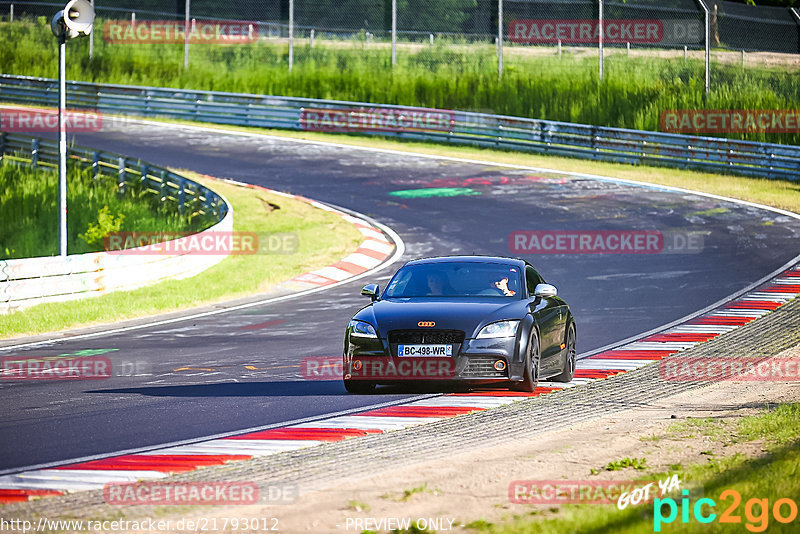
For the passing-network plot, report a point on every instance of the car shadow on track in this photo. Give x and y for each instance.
(298, 388)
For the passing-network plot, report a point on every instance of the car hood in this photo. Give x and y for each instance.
(456, 314)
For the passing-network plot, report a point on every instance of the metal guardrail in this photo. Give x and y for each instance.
(29, 281)
(127, 172)
(441, 126)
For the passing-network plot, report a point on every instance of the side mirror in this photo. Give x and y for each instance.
(371, 291)
(545, 290)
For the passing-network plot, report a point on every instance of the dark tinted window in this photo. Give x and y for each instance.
(455, 280)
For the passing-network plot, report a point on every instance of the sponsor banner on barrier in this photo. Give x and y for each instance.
(580, 491)
(24, 120)
(622, 31)
(174, 31)
(376, 120)
(203, 243)
(55, 368)
(750, 369)
(718, 121)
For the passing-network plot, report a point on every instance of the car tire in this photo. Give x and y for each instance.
(569, 357)
(530, 372)
(359, 386)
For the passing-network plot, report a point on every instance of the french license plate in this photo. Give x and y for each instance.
(425, 350)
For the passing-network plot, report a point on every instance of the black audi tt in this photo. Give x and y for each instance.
(474, 319)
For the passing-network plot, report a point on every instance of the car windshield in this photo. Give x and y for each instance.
(451, 279)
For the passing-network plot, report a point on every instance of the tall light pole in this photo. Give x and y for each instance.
(74, 20)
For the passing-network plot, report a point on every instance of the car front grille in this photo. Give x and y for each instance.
(483, 367)
(426, 337)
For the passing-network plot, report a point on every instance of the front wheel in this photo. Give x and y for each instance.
(530, 374)
(569, 358)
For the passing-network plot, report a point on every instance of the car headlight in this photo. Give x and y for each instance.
(362, 329)
(499, 329)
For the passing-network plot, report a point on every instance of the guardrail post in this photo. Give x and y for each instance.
(181, 195)
(35, 153)
(121, 178)
(95, 165)
(163, 187)
(145, 172)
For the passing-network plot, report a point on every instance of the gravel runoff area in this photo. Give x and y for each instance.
(323, 467)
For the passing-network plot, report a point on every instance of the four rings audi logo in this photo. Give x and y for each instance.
(428, 324)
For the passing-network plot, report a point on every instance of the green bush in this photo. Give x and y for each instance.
(29, 211)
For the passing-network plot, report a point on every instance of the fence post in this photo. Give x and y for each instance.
(601, 30)
(707, 14)
(91, 37)
(186, 34)
(499, 38)
(291, 34)
(181, 195)
(11, 13)
(2, 145)
(163, 187)
(796, 14)
(311, 39)
(394, 33)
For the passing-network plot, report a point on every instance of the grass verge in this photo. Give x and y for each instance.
(322, 238)
(633, 93)
(760, 481)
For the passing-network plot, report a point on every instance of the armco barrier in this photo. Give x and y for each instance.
(441, 126)
(25, 282)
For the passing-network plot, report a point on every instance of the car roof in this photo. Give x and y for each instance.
(469, 259)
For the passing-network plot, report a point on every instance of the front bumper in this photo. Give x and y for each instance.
(473, 360)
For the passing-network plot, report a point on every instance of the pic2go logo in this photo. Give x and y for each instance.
(756, 511)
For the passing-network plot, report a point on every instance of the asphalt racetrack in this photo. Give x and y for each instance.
(240, 369)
